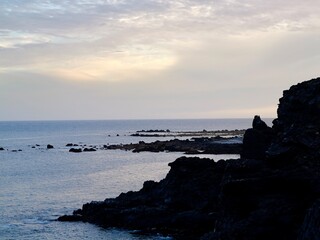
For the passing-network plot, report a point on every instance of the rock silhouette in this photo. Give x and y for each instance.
(271, 192)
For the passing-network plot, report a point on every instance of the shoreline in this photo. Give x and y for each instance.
(271, 192)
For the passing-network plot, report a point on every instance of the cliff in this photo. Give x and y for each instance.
(272, 192)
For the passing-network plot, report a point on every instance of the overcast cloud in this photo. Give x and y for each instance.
(111, 59)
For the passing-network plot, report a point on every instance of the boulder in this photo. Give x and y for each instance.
(75, 150)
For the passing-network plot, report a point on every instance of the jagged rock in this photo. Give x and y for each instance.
(163, 206)
(203, 145)
(257, 140)
(70, 218)
(243, 199)
(298, 123)
(310, 229)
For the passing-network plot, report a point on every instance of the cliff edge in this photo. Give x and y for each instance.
(271, 192)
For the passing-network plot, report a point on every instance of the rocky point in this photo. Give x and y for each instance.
(271, 192)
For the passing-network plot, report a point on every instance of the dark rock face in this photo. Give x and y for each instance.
(1, 149)
(298, 122)
(202, 145)
(49, 146)
(273, 196)
(257, 140)
(184, 202)
(310, 229)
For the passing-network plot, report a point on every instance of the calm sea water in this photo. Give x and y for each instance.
(38, 185)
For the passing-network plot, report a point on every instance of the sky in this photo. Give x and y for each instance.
(153, 59)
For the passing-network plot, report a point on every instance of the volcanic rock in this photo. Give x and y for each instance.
(257, 140)
(260, 196)
(89, 150)
(298, 123)
(75, 150)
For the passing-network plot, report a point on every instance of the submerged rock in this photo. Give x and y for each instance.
(89, 150)
(75, 150)
(49, 146)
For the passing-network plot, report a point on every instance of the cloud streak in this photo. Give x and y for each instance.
(193, 47)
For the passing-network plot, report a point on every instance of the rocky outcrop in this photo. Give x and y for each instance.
(202, 145)
(184, 203)
(49, 146)
(310, 229)
(91, 149)
(298, 123)
(75, 150)
(260, 196)
(257, 140)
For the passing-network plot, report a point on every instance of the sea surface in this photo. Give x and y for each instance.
(38, 185)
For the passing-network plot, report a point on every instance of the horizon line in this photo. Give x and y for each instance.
(131, 119)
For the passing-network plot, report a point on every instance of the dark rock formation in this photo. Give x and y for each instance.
(14, 150)
(204, 145)
(72, 145)
(89, 149)
(49, 146)
(257, 140)
(298, 122)
(75, 150)
(310, 229)
(184, 202)
(154, 130)
(203, 133)
(1, 149)
(257, 197)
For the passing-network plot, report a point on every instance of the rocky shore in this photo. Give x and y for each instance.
(203, 133)
(200, 145)
(271, 192)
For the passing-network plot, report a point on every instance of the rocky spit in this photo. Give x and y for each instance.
(271, 192)
(199, 145)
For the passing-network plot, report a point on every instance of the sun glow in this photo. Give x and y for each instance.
(118, 66)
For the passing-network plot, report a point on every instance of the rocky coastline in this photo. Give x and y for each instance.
(199, 145)
(271, 192)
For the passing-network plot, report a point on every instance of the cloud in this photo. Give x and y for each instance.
(187, 57)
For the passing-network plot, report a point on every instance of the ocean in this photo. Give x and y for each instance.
(38, 184)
